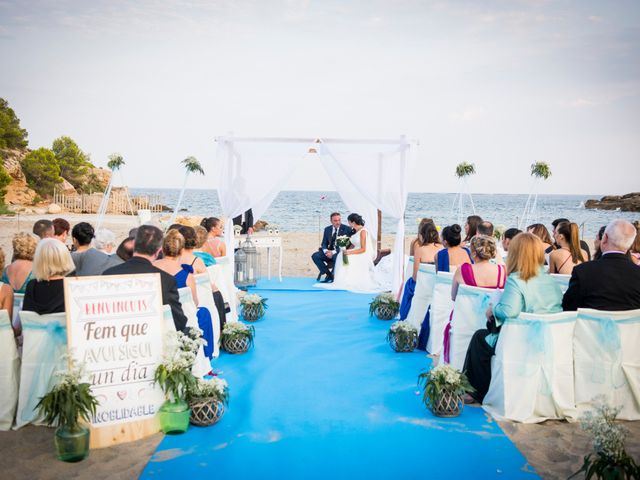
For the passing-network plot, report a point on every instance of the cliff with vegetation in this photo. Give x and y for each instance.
(30, 177)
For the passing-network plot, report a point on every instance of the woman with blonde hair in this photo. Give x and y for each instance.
(172, 248)
(480, 273)
(528, 289)
(6, 292)
(201, 239)
(51, 263)
(18, 273)
(569, 254)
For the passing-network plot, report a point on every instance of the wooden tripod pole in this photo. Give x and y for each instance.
(379, 231)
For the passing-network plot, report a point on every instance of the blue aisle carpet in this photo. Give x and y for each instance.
(323, 396)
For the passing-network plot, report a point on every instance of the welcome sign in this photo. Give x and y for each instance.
(115, 328)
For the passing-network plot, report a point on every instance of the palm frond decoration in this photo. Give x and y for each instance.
(115, 162)
(192, 165)
(540, 170)
(465, 169)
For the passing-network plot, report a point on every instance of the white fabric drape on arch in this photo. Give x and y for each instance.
(251, 176)
(369, 177)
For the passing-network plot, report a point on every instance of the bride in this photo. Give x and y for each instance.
(357, 275)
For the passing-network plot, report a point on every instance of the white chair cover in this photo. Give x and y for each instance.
(18, 298)
(408, 272)
(441, 307)
(563, 280)
(9, 372)
(468, 317)
(44, 351)
(201, 366)
(607, 360)
(221, 275)
(532, 370)
(425, 280)
(205, 297)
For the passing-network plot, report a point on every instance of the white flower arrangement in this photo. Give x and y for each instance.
(402, 326)
(235, 328)
(174, 373)
(441, 379)
(388, 301)
(252, 299)
(611, 460)
(237, 229)
(215, 388)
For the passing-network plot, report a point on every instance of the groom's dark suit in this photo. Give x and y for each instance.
(324, 263)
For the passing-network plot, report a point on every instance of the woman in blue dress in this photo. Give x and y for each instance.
(453, 255)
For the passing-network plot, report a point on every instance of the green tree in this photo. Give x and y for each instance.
(5, 180)
(11, 135)
(42, 171)
(74, 163)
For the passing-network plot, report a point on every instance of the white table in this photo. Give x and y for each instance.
(264, 241)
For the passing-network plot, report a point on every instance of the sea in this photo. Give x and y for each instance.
(297, 211)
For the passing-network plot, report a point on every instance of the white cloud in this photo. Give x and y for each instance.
(596, 19)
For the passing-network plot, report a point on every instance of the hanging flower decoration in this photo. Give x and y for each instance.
(465, 169)
(540, 170)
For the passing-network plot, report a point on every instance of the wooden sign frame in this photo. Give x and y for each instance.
(126, 431)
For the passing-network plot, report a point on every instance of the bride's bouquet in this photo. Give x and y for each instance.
(344, 242)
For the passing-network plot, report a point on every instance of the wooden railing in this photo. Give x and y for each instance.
(120, 203)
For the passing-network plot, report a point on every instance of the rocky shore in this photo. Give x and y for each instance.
(625, 203)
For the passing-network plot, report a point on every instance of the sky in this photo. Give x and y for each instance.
(500, 84)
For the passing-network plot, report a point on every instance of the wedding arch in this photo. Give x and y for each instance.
(369, 175)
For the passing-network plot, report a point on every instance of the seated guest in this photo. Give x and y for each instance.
(82, 235)
(453, 254)
(18, 273)
(172, 247)
(43, 228)
(61, 229)
(596, 243)
(583, 245)
(568, 254)
(6, 292)
(188, 256)
(540, 231)
(171, 262)
(471, 227)
(482, 273)
(125, 249)
(201, 239)
(425, 252)
(419, 240)
(485, 228)
(634, 251)
(214, 245)
(96, 260)
(613, 281)
(147, 245)
(507, 236)
(527, 289)
(51, 263)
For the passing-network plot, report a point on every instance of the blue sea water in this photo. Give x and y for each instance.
(296, 211)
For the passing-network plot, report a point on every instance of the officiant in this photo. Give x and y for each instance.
(245, 221)
(324, 257)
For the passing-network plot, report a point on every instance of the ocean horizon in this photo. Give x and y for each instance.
(308, 211)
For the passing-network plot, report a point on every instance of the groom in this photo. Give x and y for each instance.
(325, 256)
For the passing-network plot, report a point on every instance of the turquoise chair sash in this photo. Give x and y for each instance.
(47, 359)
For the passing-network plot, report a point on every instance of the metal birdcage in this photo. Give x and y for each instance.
(247, 265)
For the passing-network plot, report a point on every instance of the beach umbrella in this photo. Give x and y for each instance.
(463, 171)
(191, 165)
(540, 171)
(114, 164)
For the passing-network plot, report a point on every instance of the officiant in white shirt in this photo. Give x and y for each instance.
(325, 256)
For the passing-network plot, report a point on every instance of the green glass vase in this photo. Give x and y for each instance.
(174, 417)
(72, 444)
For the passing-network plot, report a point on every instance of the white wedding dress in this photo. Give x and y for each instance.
(359, 275)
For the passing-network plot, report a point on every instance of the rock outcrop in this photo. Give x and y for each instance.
(626, 203)
(18, 192)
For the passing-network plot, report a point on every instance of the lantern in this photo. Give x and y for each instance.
(247, 263)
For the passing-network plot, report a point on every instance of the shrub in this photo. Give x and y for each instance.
(42, 171)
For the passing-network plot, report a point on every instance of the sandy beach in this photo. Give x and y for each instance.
(555, 449)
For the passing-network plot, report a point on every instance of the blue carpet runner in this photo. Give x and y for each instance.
(321, 395)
